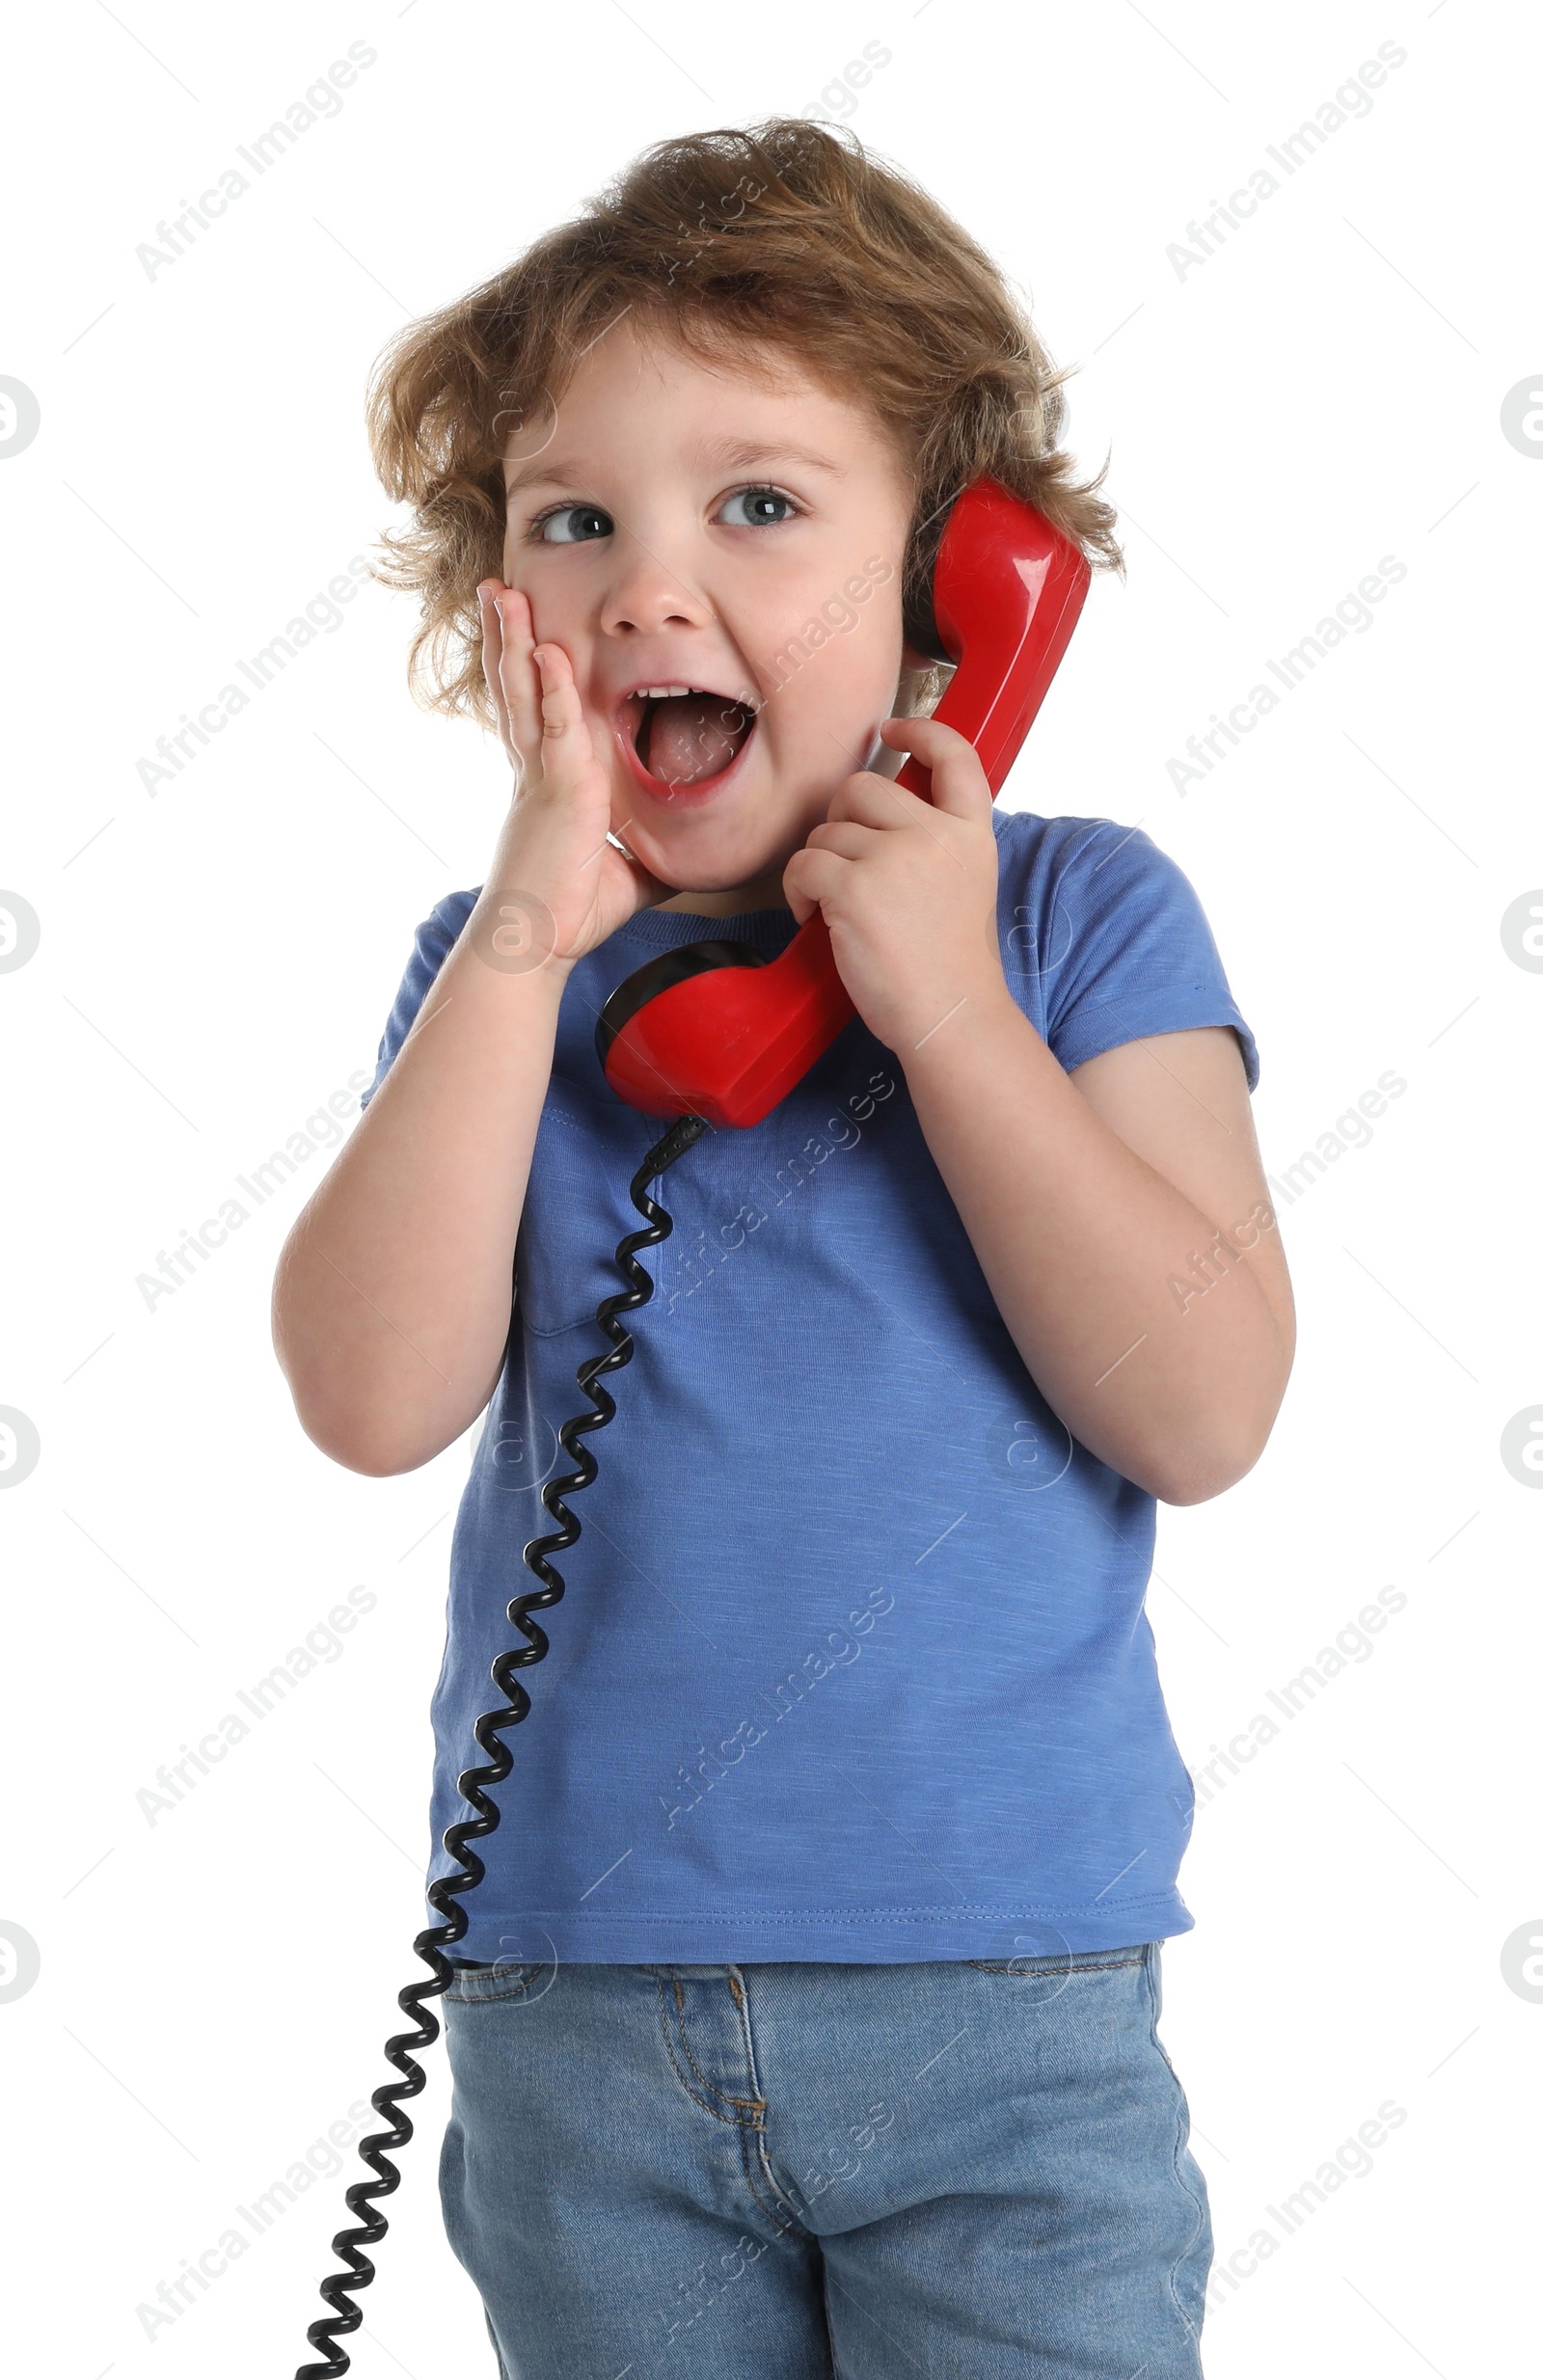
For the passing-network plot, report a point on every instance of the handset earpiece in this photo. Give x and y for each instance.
(723, 1033)
(1006, 594)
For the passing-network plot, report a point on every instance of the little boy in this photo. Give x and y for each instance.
(806, 2018)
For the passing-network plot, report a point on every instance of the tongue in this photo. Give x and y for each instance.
(690, 737)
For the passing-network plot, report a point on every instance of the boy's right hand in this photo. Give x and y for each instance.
(556, 888)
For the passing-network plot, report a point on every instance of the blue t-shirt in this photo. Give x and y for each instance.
(852, 1662)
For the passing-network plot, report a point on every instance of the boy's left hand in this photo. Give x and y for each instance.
(907, 888)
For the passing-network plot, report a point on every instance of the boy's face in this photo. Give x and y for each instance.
(676, 526)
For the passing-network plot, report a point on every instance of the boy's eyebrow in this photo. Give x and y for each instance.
(740, 451)
(737, 454)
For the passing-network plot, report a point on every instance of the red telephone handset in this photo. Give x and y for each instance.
(716, 1028)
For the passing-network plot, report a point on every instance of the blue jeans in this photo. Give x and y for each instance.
(959, 2167)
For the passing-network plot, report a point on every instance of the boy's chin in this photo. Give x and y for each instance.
(753, 883)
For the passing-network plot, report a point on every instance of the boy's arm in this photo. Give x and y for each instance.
(1090, 1198)
(1101, 1203)
(393, 1292)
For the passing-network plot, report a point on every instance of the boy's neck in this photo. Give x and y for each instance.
(765, 892)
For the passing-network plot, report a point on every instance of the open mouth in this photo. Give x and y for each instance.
(684, 739)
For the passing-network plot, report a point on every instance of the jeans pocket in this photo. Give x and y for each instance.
(477, 1980)
(1037, 1980)
(1063, 1963)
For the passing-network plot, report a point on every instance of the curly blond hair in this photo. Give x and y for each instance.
(783, 234)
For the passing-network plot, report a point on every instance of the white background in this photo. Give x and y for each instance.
(218, 958)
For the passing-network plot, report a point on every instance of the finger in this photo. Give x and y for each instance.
(519, 678)
(803, 905)
(959, 781)
(872, 800)
(845, 836)
(487, 595)
(565, 748)
(816, 876)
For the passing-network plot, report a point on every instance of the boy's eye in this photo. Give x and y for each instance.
(573, 524)
(757, 499)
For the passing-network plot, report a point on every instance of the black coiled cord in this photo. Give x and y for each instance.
(432, 1943)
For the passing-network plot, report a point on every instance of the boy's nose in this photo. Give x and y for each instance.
(648, 593)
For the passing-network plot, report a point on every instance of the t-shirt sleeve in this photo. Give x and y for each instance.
(432, 944)
(1130, 952)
